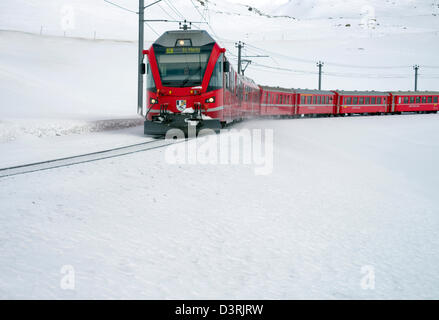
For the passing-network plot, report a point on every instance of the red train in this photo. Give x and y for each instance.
(191, 82)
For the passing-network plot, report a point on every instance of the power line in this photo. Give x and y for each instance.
(204, 18)
(151, 28)
(166, 12)
(173, 8)
(119, 6)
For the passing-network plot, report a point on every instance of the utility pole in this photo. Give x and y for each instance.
(140, 69)
(140, 58)
(239, 45)
(320, 65)
(416, 67)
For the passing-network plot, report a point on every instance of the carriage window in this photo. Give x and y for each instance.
(303, 99)
(430, 99)
(367, 100)
(424, 99)
(418, 99)
(435, 99)
(412, 99)
(406, 99)
(361, 101)
(355, 101)
(309, 100)
(372, 100)
(347, 100)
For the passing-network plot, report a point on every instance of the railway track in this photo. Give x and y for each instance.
(84, 158)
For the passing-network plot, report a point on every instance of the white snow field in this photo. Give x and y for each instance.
(349, 201)
(345, 194)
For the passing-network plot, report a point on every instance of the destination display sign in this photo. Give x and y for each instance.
(177, 50)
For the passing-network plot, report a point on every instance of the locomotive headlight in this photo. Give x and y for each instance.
(210, 100)
(153, 101)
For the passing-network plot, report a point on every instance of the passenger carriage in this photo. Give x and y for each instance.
(314, 102)
(370, 102)
(410, 101)
(276, 101)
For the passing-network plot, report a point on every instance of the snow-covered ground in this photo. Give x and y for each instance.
(345, 194)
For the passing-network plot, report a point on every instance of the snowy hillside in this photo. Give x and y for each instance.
(52, 86)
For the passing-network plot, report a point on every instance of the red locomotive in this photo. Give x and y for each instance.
(191, 82)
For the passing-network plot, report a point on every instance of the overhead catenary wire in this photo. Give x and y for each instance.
(121, 7)
(132, 11)
(204, 18)
(174, 9)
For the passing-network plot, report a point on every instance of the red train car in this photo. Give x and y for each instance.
(314, 102)
(410, 101)
(276, 101)
(370, 102)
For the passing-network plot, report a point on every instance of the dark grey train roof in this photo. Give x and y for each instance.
(292, 90)
(199, 38)
(278, 89)
(413, 93)
(362, 93)
(312, 91)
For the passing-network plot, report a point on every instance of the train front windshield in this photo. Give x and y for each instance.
(182, 66)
